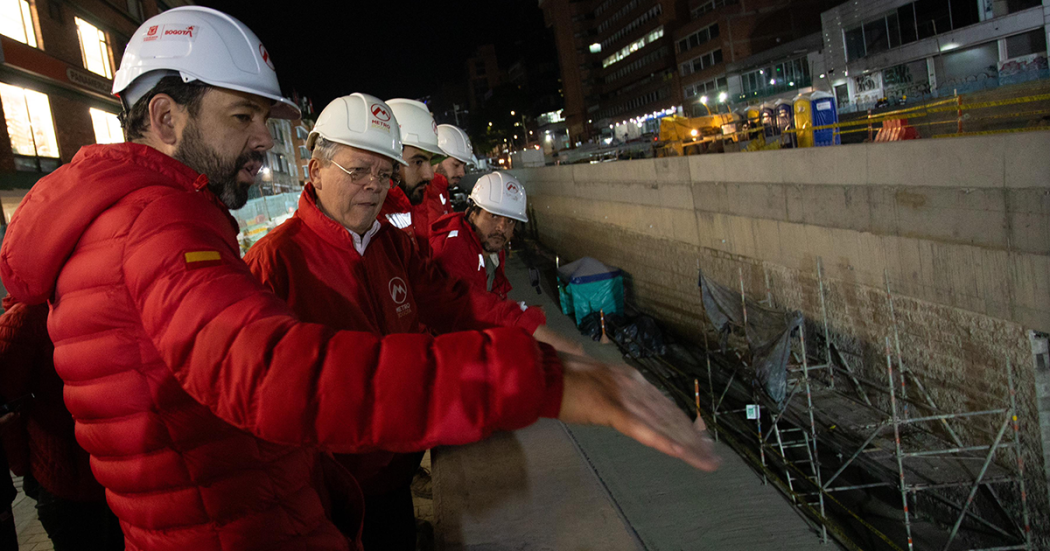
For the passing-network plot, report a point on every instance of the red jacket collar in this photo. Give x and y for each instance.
(38, 243)
(329, 230)
(439, 183)
(396, 202)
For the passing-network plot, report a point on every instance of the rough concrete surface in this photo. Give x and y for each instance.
(558, 487)
(957, 227)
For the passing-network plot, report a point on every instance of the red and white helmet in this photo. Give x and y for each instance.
(501, 194)
(199, 43)
(361, 121)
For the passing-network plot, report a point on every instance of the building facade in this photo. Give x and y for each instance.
(743, 50)
(58, 60)
(483, 75)
(617, 64)
(627, 63)
(907, 48)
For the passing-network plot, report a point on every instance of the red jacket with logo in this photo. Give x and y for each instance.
(456, 247)
(310, 260)
(200, 396)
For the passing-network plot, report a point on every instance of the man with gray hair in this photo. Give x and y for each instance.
(337, 265)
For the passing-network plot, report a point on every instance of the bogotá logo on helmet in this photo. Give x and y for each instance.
(398, 290)
(266, 57)
(380, 113)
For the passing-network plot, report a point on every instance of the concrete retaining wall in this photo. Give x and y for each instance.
(960, 228)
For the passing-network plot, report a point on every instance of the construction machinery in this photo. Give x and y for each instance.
(690, 135)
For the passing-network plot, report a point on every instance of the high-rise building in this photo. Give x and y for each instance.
(56, 78)
(627, 63)
(725, 39)
(483, 75)
(617, 62)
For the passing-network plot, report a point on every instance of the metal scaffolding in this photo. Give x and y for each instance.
(867, 435)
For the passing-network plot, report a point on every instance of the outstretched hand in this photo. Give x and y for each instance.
(619, 397)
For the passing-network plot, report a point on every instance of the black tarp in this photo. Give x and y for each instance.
(768, 333)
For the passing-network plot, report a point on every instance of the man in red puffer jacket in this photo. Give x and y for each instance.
(201, 398)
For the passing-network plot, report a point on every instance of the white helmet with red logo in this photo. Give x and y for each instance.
(199, 43)
(502, 194)
(455, 143)
(361, 121)
(418, 128)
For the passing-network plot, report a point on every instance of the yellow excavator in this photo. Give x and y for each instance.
(690, 135)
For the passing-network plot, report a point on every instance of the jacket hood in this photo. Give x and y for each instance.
(61, 206)
(450, 222)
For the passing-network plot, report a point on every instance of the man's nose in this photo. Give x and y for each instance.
(428, 172)
(262, 139)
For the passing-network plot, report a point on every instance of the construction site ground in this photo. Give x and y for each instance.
(554, 486)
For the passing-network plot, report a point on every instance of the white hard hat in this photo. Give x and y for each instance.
(502, 194)
(454, 143)
(361, 121)
(418, 128)
(199, 43)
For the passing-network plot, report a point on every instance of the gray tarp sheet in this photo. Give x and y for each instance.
(768, 333)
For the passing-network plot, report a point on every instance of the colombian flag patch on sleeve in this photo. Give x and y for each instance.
(202, 259)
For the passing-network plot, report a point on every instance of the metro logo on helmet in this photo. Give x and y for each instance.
(380, 117)
(380, 113)
(512, 187)
(266, 57)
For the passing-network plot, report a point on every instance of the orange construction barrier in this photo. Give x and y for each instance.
(895, 130)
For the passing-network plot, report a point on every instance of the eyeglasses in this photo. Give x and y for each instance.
(361, 176)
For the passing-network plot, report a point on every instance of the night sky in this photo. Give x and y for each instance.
(385, 48)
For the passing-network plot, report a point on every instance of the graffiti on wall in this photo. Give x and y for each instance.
(868, 88)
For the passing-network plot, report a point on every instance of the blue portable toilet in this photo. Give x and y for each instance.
(769, 120)
(824, 113)
(785, 113)
(590, 286)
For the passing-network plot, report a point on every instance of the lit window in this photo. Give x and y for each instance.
(95, 49)
(595, 48)
(107, 126)
(29, 123)
(16, 21)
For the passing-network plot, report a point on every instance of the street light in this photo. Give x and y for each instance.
(722, 97)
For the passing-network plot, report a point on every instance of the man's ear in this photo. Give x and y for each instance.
(163, 115)
(314, 168)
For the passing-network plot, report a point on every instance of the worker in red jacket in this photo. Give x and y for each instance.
(448, 171)
(471, 245)
(41, 446)
(380, 282)
(405, 207)
(202, 399)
